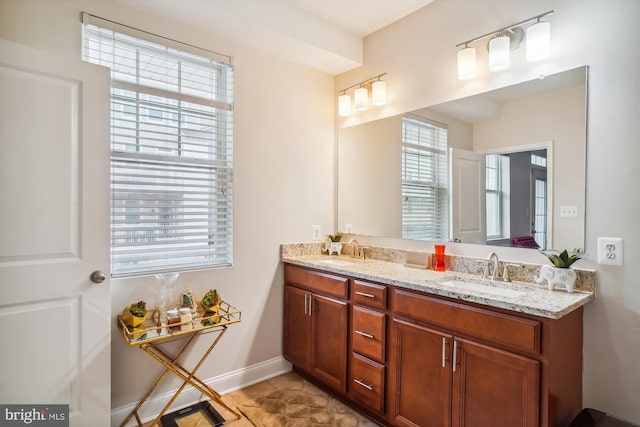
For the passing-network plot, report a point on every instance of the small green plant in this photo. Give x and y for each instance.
(138, 309)
(335, 237)
(563, 259)
(211, 298)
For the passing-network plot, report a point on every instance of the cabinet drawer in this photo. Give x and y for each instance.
(369, 294)
(367, 383)
(368, 335)
(518, 333)
(324, 283)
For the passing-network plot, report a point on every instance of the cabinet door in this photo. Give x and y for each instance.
(419, 376)
(297, 327)
(329, 341)
(494, 388)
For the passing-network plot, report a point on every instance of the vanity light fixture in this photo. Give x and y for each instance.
(504, 40)
(344, 105)
(467, 63)
(361, 100)
(361, 95)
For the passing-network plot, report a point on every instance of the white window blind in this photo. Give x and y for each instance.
(171, 152)
(424, 180)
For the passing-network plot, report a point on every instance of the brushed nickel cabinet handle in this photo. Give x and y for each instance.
(360, 383)
(363, 294)
(364, 334)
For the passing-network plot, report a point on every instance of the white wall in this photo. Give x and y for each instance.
(283, 182)
(419, 55)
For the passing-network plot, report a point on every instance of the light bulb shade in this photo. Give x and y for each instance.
(466, 63)
(361, 98)
(379, 93)
(538, 41)
(344, 105)
(499, 51)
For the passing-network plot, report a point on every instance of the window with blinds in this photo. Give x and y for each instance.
(171, 152)
(497, 196)
(425, 207)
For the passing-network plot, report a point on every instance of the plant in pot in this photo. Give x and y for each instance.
(135, 314)
(211, 304)
(334, 244)
(561, 272)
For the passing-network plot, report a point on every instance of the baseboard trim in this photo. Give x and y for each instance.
(223, 384)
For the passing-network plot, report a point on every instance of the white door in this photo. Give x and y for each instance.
(54, 219)
(467, 196)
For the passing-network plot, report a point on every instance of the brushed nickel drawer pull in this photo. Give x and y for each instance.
(364, 334)
(362, 294)
(444, 352)
(367, 386)
(455, 354)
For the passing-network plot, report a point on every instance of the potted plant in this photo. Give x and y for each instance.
(334, 244)
(135, 314)
(211, 301)
(561, 272)
(211, 304)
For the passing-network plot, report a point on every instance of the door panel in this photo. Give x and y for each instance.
(494, 388)
(329, 334)
(467, 194)
(420, 376)
(54, 223)
(297, 326)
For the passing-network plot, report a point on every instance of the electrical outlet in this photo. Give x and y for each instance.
(568, 211)
(316, 232)
(610, 251)
(348, 228)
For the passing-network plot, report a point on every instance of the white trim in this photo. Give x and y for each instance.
(544, 145)
(223, 384)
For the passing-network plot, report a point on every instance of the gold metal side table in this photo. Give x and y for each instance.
(150, 336)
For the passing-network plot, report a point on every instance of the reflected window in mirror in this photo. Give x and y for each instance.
(424, 180)
(497, 196)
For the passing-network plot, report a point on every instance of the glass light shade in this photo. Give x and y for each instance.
(361, 98)
(466, 63)
(538, 41)
(379, 93)
(344, 105)
(499, 51)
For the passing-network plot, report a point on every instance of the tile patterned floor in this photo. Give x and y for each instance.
(289, 400)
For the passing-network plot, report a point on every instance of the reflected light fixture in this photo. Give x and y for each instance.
(503, 41)
(361, 95)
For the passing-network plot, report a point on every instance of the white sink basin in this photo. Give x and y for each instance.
(336, 262)
(479, 287)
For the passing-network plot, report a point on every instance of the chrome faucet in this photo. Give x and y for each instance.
(356, 248)
(492, 269)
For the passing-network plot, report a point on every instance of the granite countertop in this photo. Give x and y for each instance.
(528, 297)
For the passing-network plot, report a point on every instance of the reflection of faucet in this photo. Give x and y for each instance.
(492, 269)
(356, 248)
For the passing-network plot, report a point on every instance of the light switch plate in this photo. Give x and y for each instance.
(610, 251)
(568, 211)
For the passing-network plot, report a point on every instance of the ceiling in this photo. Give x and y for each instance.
(325, 35)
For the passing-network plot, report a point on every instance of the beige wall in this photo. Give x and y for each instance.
(419, 55)
(283, 182)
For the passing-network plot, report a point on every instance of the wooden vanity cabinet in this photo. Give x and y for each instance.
(457, 364)
(409, 358)
(316, 325)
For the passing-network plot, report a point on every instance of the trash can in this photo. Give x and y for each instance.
(593, 418)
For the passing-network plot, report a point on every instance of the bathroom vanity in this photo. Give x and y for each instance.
(408, 348)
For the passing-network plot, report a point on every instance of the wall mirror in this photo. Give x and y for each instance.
(512, 162)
